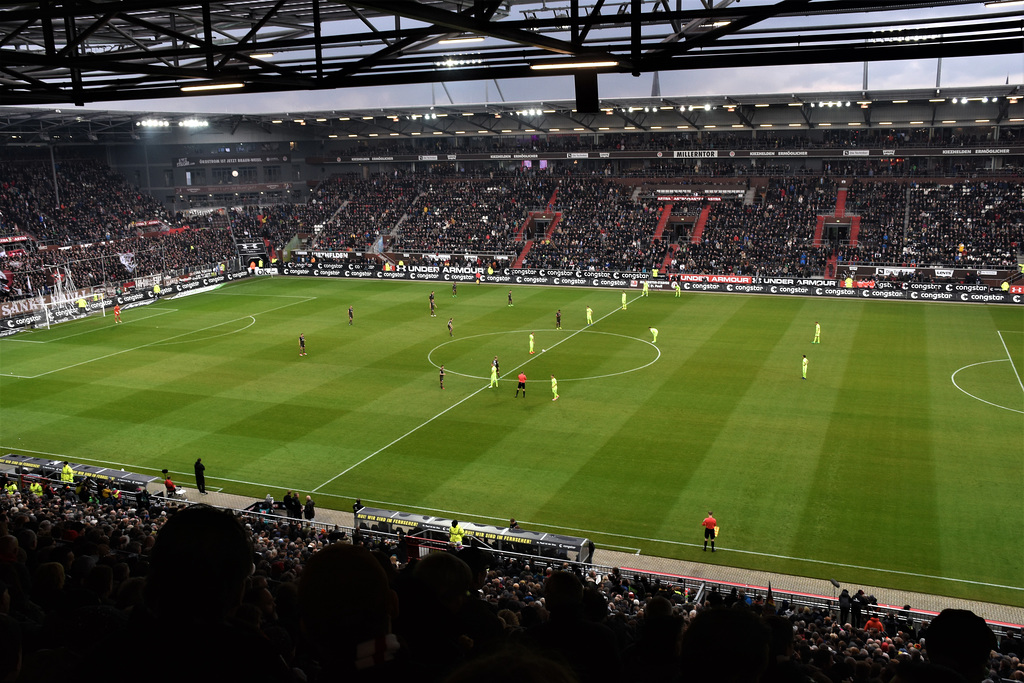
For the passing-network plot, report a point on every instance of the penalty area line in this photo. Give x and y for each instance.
(161, 341)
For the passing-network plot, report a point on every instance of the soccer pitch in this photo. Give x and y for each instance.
(897, 462)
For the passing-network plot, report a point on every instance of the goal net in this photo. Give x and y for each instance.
(68, 302)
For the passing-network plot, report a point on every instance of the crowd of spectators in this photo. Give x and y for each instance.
(37, 272)
(774, 236)
(260, 598)
(965, 224)
(604, 222)
(479, 215)
(93, 202)
(360, 211)
(602, 227)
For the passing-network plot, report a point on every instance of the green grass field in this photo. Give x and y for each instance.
(877, 469)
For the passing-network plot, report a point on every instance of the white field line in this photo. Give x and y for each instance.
(156, 343)
(469, 515)
(132, 319)
(978, 398)
(1011, 360)
(428, 421)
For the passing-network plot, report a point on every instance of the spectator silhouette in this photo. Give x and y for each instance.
(347, 608)
(960, 640)
(655, 654)
(589, 648)
(198, 570)
(726, 646)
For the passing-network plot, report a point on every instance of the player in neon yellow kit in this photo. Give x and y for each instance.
(590, 315)
(554, 388)
(817, 334)
(804, 366)
(531, 343)
(654, 331)
(646, 291)
(494, 376)
(623, 301)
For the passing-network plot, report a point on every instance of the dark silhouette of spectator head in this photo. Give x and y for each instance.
(563, 593)
(960, 640)
(199, 564)
(11, 652)
(345, 599)
(725, 645)
(478, 561)
(513, 665)
(446, 577)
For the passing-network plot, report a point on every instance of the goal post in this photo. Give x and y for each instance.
(65, 299)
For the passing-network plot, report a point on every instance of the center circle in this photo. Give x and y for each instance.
(511, 348)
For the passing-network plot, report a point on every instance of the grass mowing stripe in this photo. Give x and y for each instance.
(624, 438)
(417, 428)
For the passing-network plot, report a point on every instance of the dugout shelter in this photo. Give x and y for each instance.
(428, 528)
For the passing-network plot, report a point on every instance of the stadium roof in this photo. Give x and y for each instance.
(145, 49)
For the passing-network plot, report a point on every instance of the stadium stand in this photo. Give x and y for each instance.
(280, 593)
(894, 215)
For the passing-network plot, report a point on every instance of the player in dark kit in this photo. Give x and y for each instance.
(497, 367)
(558, 319)
(349, 315)
(455, 290)
(432, 306)
(441, 377)
(451, 328)
(510, 297)
(302, 345)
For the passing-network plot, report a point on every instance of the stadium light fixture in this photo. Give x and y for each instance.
(262, 55)
(1000, 4)
(211, 86)
(460, 40)
(549, 66)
